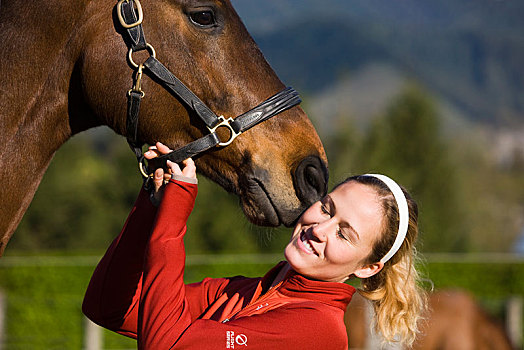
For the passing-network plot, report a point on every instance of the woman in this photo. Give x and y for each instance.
(365, 228)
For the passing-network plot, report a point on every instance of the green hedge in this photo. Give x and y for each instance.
(44, 306)
(44, 302)
(44, 299)
(485, 280)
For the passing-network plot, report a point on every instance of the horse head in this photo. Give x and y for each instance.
(277, 168)
(71, 71)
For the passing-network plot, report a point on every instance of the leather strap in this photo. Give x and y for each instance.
(274, 105)
(190, 150)
(179, 90)
(135, 35)
(133, 108)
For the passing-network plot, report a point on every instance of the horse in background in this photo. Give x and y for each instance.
(454, 321)
(64, 70)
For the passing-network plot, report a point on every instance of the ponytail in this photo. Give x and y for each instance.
(397, 301)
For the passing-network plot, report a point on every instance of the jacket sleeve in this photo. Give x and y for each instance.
(111, 299)
(164, 311)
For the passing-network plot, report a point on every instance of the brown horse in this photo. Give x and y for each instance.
(64, 69)
(454, 321)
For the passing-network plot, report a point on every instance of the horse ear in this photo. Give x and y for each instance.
(369, 270)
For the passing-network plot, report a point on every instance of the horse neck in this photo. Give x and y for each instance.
(39, 49)
(38, 57)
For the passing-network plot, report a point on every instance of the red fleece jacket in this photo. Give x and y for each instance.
(137, 290)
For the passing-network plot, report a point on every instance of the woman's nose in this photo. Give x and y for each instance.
(320, 230)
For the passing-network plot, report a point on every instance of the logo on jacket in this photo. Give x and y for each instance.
(232, 340)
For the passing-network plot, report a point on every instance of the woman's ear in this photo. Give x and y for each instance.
(369, 270)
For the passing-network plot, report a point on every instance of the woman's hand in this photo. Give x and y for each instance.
(160, 178)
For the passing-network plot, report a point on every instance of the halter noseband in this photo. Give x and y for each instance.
(131, 22)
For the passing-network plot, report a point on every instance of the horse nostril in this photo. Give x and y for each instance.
(310, 180)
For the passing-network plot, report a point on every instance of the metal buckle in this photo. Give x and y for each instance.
(121, 19)
(225, 123)
(149, 48)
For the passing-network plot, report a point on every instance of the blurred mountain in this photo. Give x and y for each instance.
(469, 54)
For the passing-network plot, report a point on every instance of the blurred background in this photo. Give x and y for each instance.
(427, 92)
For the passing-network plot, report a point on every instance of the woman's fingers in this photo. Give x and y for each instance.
(158, 179)
(151, 153)
(189, 168)
(157, 150)
(162, 149)
(174, 167)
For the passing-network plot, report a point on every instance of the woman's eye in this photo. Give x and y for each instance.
(203, 18)
(325, 210)
(340, 234)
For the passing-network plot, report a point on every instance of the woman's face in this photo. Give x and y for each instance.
(334, 236)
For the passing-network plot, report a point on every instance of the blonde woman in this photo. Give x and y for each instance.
(365, 228)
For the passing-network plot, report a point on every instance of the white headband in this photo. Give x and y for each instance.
(403, 213)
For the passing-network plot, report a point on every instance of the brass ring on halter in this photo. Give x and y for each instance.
(149, 48)
(142, 166)
(133, 90)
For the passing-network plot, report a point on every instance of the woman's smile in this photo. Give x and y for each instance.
(304, 244)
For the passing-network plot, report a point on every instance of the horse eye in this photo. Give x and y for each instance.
(203, 18)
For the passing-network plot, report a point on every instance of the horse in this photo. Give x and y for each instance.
(457, 321)
(66, 67)
(454, 320)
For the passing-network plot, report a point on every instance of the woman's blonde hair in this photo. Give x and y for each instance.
(395, 292)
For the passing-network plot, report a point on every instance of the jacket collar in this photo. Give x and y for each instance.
(297, 286)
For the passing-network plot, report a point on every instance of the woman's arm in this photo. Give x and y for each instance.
(164, 312)
(112, 296)
(111, 299)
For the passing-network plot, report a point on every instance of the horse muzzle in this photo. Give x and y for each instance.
(267, 205)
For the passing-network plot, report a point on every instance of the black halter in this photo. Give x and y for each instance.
(131, 21)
